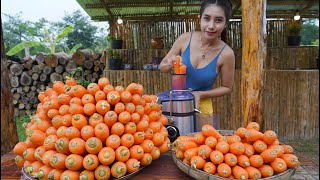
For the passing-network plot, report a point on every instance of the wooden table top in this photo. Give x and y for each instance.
(161, 169)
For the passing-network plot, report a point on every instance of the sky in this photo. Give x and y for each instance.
(33, 10)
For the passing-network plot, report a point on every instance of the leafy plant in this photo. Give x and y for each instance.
(52, 41)
(295, 27)
(79, 79)
(114, 54)
(21, 122)
(73, 50)
(19, 47)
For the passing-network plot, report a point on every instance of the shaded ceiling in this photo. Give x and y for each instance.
(104, 10)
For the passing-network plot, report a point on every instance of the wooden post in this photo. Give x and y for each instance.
(27, 50)
(253, 59)
(9, 136)
(187, 23)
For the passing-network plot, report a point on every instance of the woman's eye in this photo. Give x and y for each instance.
(219, 20)
(206, 18)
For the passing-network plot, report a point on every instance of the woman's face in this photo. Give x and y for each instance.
(213, 21)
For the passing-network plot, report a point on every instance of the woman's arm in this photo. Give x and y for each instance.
(167, 62)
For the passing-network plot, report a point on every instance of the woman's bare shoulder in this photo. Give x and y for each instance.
(185, 36)
(228, 53)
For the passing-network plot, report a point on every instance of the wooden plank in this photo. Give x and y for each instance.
(294, 86)
(277, 58)
(314, 104)
(303, 103)
(282, 105)
(277, 32)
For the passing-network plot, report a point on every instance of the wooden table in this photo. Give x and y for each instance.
(161, 169)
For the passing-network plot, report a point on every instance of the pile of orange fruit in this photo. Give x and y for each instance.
(94, 132)
(247, 154)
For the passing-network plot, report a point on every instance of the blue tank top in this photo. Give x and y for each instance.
(200, 79)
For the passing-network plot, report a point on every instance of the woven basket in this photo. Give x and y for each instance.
(198, 174)
(26, 176)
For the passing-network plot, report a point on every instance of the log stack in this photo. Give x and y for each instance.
(36, 73)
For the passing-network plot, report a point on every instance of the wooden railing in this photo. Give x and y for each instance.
(138, 34)
(290, 99)
(302, 57)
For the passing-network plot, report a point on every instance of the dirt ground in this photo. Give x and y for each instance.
(308, 153)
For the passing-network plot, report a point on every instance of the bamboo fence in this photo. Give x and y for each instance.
(138, 34)
(302, 57)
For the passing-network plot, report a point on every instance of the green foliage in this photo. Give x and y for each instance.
(52, 41)
(295, 27)
(316, 42)
(79, 79)
(75, 48)
(19, 47)
(84, 32)
(21, 121)
(114, 54)
(310, 32)
(16, 30)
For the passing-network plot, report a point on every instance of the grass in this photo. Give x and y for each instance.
(20, 120)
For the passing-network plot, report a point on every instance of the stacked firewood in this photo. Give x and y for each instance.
(31, 75)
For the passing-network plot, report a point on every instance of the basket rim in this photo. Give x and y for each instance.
(288, 171)
(127, 176)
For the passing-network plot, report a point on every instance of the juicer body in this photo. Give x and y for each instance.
(179, 107)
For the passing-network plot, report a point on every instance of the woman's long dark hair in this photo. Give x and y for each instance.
(226, 5)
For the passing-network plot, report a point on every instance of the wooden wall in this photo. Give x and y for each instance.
(286, 57)
(138, 57)
(153, 81)
(302, 57)
(290, 101)
(138, 34)
(290, 104)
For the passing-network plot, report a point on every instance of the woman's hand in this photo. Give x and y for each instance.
(167, 64)
(171, 61)
(197, 98)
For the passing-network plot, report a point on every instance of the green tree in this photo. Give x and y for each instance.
(84, 32)
(310, 32)
(50, 42)
(16, 30)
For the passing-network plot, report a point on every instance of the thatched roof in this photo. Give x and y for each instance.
(104, 10)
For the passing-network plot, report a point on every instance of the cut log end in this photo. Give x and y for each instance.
(51, 60)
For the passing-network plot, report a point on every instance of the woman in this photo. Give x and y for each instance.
(205, 55)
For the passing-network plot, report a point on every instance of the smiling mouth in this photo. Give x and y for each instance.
(211, 33)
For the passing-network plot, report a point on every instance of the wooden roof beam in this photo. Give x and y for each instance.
(309, 4)
(146, 18)
(190, 16)
(238, 16)
(171, 8)
(104, 4)
(286, 2)
(99, 6)
(236, 8)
